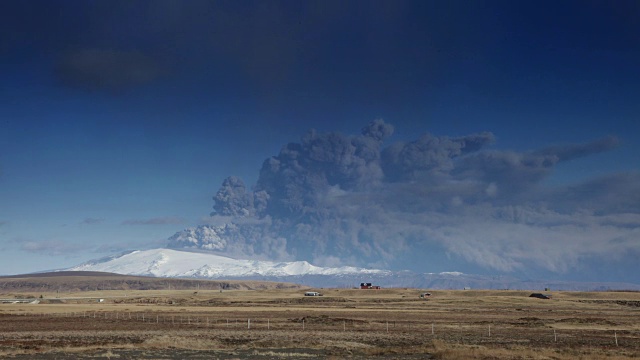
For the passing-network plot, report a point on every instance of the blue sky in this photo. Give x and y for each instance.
(120, 120)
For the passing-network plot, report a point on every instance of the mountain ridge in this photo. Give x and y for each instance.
(70, 281)
(173, 263)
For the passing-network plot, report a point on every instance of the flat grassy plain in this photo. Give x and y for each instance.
(278, 321)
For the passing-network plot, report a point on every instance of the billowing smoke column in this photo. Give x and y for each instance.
(300, 176)
(334, 199)
(429, 155)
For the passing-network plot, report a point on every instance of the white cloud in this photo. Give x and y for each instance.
(555, 242)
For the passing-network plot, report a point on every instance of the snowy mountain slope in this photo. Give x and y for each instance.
(175, 263)
(187, 264)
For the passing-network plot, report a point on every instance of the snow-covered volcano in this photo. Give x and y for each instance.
(188, 264)
(176, 263)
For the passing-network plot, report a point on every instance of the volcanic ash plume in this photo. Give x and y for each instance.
(333, 200)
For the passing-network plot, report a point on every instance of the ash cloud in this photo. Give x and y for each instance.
(429, 155)
(297, 179)
(515, 173)
(570, 152)
(337, 199)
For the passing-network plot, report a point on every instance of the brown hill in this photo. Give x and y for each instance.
(93, 280)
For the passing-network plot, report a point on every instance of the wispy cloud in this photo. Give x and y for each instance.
(91, 221)
(118, 247)
(113, 247)
(168, 220)
(49, 247)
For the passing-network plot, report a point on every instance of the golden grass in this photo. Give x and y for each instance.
(447, 351)
(388, 322)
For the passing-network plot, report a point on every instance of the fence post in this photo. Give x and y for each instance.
(616, 337)
(432, 331)
(344, 325)
(248, 323)
(489, 330)
(555, 337)
(268, 324)
(302, 324)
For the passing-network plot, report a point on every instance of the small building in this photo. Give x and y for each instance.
(425, 295)
(369, 286)
(312, 293)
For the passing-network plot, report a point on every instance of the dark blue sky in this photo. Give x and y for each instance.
(119, 120)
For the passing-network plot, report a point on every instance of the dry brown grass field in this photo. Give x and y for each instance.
(276, 322)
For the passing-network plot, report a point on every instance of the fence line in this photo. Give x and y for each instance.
(442, 328)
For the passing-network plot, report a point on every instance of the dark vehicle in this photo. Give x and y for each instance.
(540, 296)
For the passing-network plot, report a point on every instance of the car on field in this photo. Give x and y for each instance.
(540, 296)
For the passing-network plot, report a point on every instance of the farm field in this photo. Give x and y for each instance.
(274, 323)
